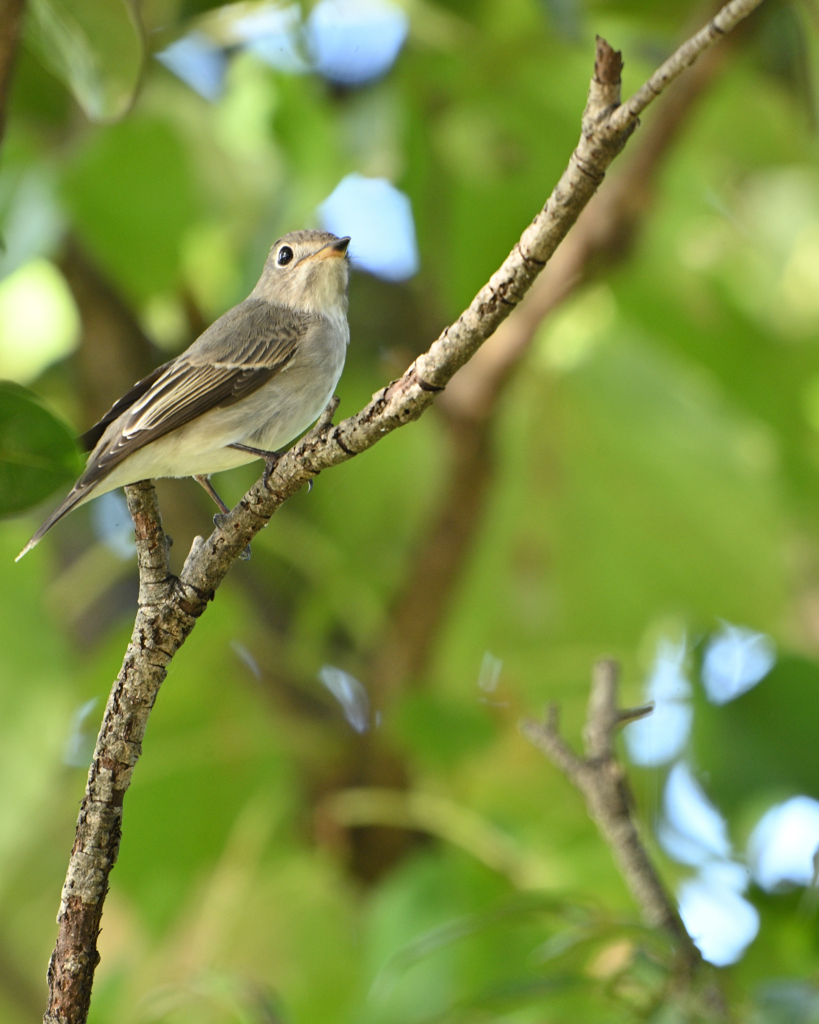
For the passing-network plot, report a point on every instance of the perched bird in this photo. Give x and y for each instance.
(254, 380)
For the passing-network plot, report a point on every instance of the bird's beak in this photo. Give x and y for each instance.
(332, 249)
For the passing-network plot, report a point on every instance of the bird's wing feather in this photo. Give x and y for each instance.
(240, 352)
(91, 438)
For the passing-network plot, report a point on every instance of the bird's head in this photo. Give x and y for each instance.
(308, 271)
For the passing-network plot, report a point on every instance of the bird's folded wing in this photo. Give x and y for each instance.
(91, 438)
(239, 353)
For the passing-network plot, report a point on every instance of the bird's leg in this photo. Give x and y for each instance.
(219, 518)
(270, 458)
(204, 481)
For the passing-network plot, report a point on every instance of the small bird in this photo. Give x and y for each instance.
(253, 381)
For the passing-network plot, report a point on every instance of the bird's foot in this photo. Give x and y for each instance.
(270, 459)
(269, 466)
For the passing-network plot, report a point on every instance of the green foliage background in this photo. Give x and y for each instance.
(656, 471)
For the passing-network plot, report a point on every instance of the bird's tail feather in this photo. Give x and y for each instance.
(77, 494)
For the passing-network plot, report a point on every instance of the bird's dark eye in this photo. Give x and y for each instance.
(285, 255)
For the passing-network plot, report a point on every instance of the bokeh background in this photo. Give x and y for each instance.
(335, 818)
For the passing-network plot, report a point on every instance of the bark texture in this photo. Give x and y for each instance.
(99, 826)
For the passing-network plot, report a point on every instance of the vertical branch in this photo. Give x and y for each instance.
(119, 744)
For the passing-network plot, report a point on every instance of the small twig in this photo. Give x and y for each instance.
(634, 714)
(683, 57)
(602, 780)
(326, 419)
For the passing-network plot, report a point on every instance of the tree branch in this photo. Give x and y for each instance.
(96, 845)
(605, 130)
(169, 607)
(683, 57)
(601, 237)
(602, 780)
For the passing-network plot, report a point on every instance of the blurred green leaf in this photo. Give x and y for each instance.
(444, 731)
(133, 196)
(38, 452)
(96, 49)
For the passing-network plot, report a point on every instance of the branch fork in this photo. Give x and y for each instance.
(601, 779)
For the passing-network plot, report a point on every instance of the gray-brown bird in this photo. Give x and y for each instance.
(253, 381)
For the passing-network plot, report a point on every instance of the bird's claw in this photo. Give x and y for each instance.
(269, 466)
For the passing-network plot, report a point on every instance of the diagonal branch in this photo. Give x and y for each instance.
(169, 607)
(605, 130)
(602, 780)
(601, 237)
